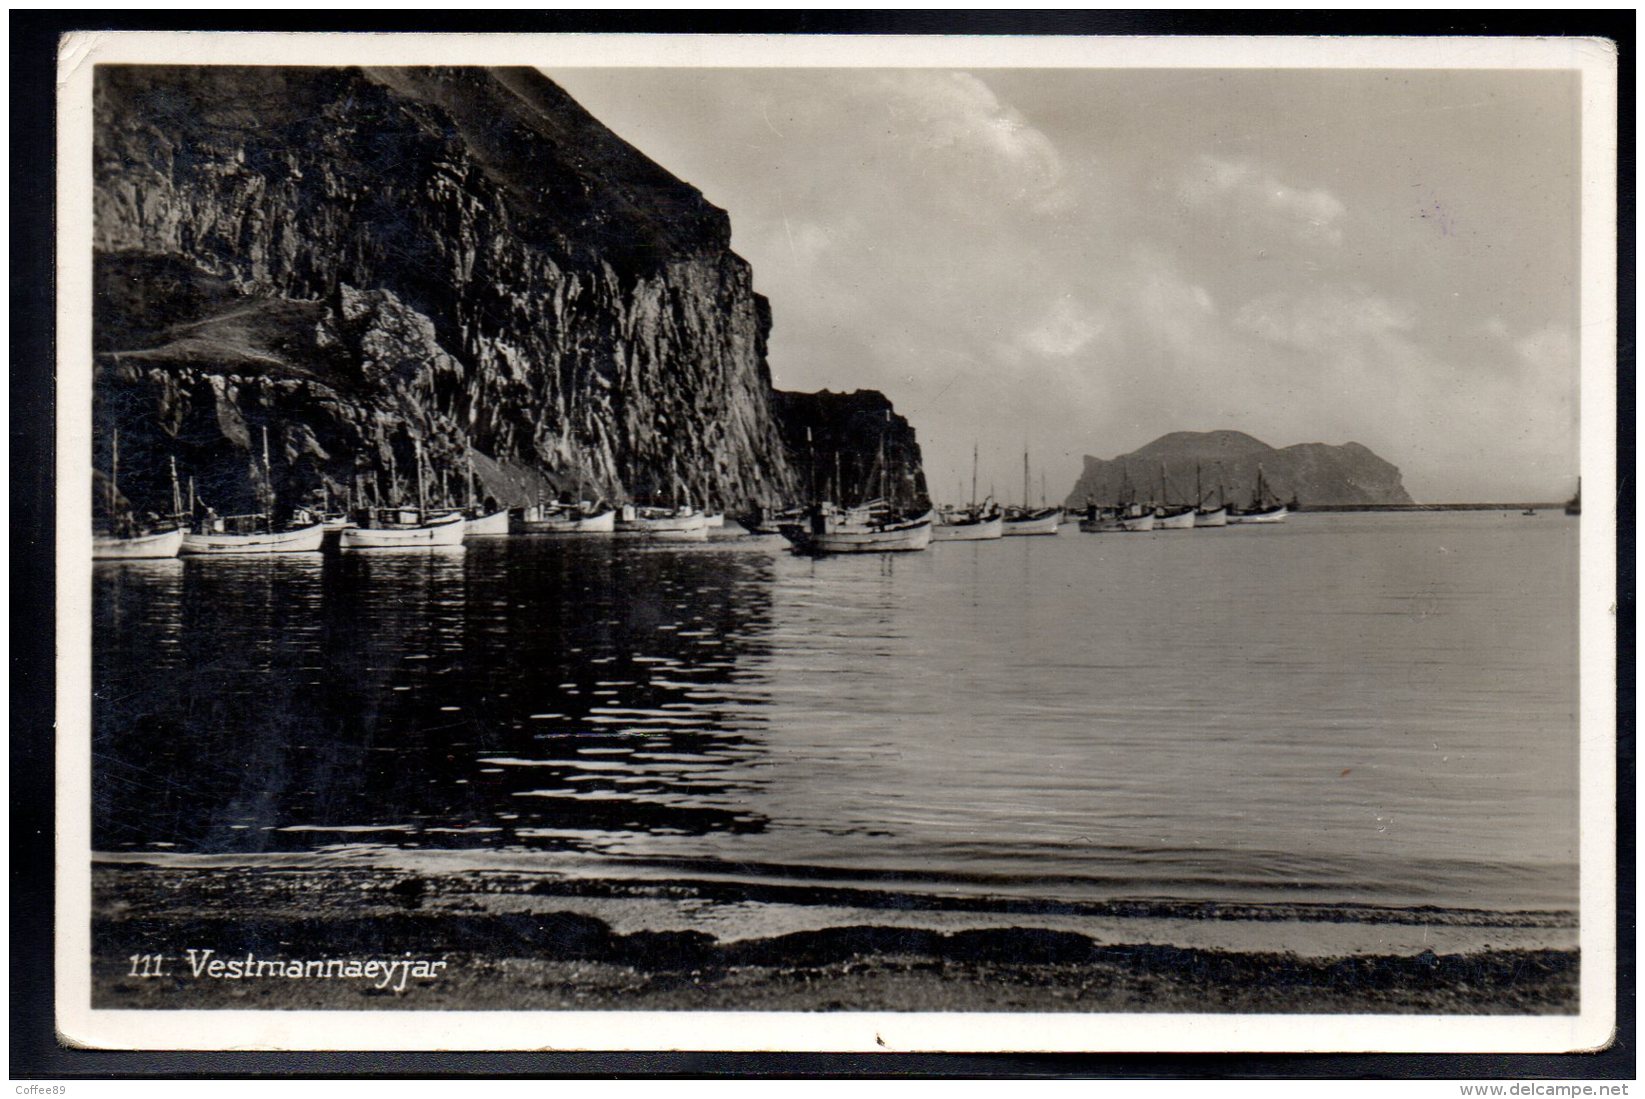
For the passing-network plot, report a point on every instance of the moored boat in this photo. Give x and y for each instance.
(487, 526)
(1037, 521)
(594, 519)
(404, 528)
(684, 524)
(218, 543)
(822, 536)
(1261, 509)
(1136, 521)
(1174, 518)
(110, 547)
(980, 525)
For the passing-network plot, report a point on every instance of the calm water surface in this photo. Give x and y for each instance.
(1376, 708)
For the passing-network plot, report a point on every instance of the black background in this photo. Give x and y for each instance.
(34, 1052)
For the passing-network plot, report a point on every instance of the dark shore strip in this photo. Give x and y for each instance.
(550, 960)
(137, 887)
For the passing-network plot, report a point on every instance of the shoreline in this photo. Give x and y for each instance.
(523, 942)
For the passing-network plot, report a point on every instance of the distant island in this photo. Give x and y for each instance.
(1312, 474)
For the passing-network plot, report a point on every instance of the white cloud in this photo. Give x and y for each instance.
(1065, 330)
(956, 117)
(1242, 186)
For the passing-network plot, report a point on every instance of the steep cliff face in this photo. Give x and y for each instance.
(1311, 473)
(836, 440)
(365, 263)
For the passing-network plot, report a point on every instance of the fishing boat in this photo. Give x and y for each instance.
(585, 518)
(253, 537)
(1169, 516)
(113, 547)
(403, 528)
(1261, 510)
(969, 525)
(974, 523)
(406, 527)
(1027, 519)
(822, 536)
(256, 533)
(484, 525)
(1137, 519)
(682, 524)
(1210, 517)
(765, 520)
(1101, 520)
(125, 541)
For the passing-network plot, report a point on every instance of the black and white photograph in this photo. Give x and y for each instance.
(857, 545)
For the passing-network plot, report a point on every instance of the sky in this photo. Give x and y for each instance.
(1080, 261)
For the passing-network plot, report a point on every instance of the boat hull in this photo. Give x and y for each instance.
(305, 540)
(603, 523)
(985, 531)
(1038, 524)
(143, 547)
(488, 526)
(1137, 524)
(1272, 515)
(1180, 521)
(898, 539)
(674, 527)
(448, 532)
(1105, 524)
(1217, 517)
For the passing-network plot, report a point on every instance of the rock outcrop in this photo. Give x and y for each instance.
(1310, 473)
(367, 264)
(836, 441)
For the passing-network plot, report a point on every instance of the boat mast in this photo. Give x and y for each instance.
(268, 479)
(974, 476)
(417, 449)
(191, 505)
(1199, 494)
(885, 468)
(176, 492)
(473, 496)
(1025, 478)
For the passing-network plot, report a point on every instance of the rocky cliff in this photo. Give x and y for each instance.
(835, 440)
(1311, 473)
(364, 264)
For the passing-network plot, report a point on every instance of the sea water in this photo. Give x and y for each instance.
(1359, 708)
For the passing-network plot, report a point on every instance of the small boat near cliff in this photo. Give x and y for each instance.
(228, 542)
(137, 547)
(569, 519)
(403, 528)
(487, 526)
(969, 525)
(1262, 510)
(683, 524)
(976, 522)
(822, 536)
(1029, 520)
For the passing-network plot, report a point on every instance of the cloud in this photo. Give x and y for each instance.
(1240, 187)
(1065, 330)
(956, 117)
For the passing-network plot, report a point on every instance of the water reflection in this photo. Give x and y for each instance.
(568, 695)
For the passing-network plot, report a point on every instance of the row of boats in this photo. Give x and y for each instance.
(399, 528)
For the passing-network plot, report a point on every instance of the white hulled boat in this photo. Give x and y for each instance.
(228, 542)
(1030, 520)
(969, 525)
(581, 519)
(1211, 517)
(488, 525)
(824, 536)
(1261, 510)
(683, 524)
(404, 528)
(977, 523)
(110, 547)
